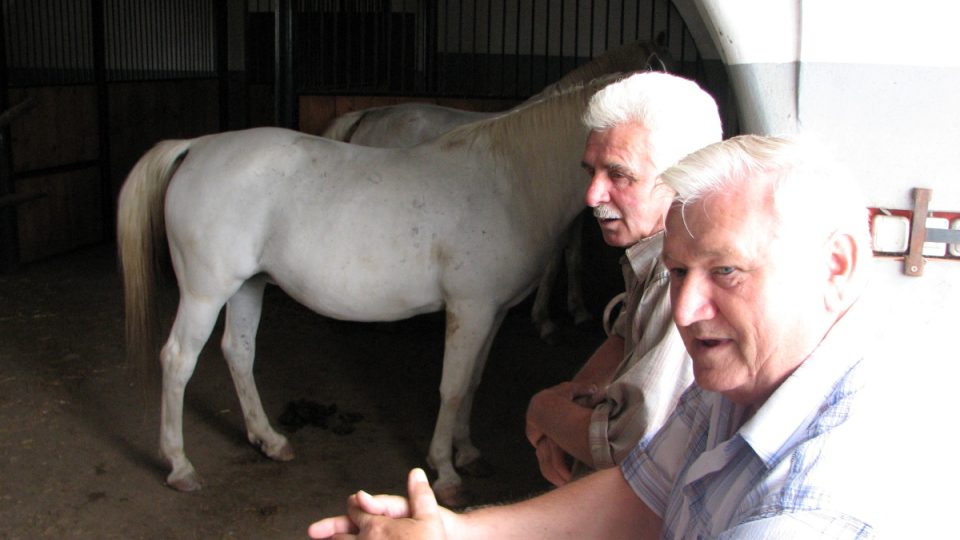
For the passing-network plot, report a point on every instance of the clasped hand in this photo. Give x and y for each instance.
(388, 516)
(553, 460)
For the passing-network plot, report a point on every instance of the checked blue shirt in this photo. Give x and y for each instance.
(798, 468)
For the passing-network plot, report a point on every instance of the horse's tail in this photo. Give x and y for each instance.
(140, 232)
(344, 126)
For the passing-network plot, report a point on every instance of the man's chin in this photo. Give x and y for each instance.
(617, 239)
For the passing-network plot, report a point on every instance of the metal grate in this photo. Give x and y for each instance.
(48, 42)
(53, 42)
(456, 48)
(462, 48)
(160, 39)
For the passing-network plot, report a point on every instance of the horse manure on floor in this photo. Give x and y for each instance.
(304, 412)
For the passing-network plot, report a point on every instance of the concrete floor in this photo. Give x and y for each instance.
(78, 433)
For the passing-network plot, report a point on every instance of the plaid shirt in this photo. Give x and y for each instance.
(656, 368)
(797, 467)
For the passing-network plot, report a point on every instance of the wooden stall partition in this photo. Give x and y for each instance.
(58, 129)
(144, 113)
(54, 153)
(66, 217)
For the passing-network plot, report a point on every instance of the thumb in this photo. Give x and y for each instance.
(423, 503)
(588, 395)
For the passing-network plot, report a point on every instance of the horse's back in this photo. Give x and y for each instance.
(322, 220)
(402, 125)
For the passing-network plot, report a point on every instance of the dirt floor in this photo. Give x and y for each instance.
(78, 442)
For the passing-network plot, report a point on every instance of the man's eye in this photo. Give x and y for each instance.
(678, 273)
(723, 270)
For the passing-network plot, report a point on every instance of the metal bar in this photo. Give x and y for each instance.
(42, 14)
(388, 36)
(58, 33)
(606, 27)
(943, 236)
(592, 26)
(431, 34)
(546, 51)
(636, 22)
(223, 70)
(503, 48)
(9, 235)
(460, 74)
(473, 45)
(533, 38)
(576, 34)
(653, 18)
(73, 54)
(623, 21)
(107, 199)
(516, 56)
(283, 84)
(488, 88)
(668, 27)
(913, 263)
(563, 20)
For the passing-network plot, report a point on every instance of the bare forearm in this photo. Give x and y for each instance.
(600, 505)
(563, 421)
(603, 363)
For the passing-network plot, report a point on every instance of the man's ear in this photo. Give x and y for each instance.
(841, 266)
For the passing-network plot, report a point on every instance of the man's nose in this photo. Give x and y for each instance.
(598, 191)
(691, 300)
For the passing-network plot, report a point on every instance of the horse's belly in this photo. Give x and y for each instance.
(353, 287)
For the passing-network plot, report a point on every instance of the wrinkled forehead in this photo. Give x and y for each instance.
(727, 222)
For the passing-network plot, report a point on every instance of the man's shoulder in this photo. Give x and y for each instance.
(834, 467)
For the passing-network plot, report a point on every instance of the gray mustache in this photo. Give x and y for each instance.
(605, 212)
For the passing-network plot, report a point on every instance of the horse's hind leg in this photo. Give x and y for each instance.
(239, 347)
(191, 329)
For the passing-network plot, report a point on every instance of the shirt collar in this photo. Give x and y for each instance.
(792, 407)
(645, 254)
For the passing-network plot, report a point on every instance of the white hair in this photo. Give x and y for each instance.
(812, 193)
(680, 116)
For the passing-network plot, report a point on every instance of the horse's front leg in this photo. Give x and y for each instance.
(540, 312)
(239, 349)
(573, 254)
(470, 329)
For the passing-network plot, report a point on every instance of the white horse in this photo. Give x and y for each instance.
(464, 223)
(409, 124)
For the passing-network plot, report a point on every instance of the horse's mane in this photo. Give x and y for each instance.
(634, 56)
(537, 141)
(343, 126)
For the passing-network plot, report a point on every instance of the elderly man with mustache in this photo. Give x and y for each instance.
(638, 127)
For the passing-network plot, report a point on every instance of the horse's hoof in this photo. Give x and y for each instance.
(186, 483)
(548, 333)
(453, 497)
(284, 453)
(478, 468)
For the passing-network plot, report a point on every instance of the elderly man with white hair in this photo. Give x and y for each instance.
(772, 439)
(639, 126)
